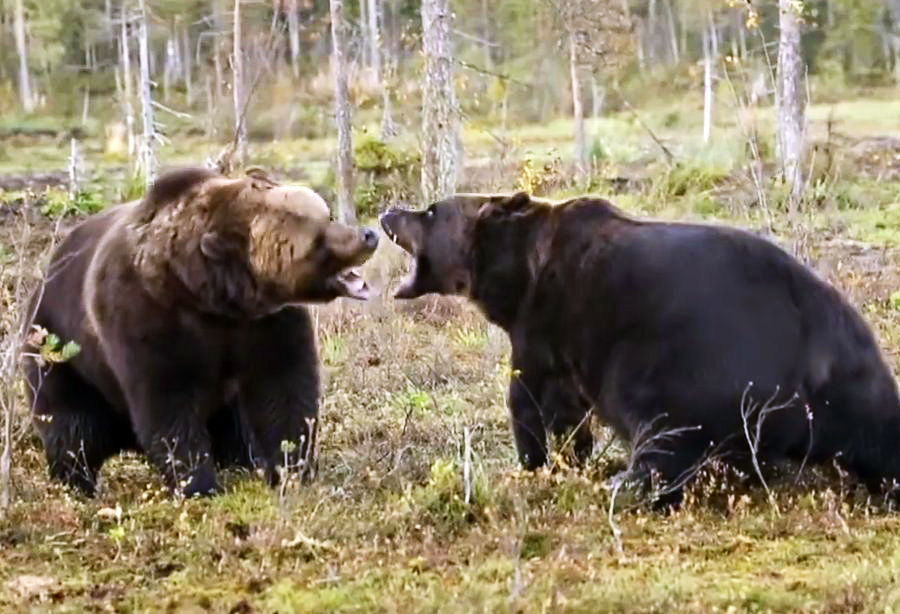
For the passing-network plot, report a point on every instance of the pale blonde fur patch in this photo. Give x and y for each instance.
(300, 200)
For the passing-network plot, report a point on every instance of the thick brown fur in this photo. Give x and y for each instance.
(195, 347)
(661, 327)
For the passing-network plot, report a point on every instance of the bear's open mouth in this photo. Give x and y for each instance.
(352, 284)
(394, 226)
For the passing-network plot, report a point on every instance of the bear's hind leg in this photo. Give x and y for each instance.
(78, 427)
(858, 423)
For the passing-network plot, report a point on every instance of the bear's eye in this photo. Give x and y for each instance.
(429, 212)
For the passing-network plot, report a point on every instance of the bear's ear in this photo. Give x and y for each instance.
(262, 179)
(216, 245)
(505, 205)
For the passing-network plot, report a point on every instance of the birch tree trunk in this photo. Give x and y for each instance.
(148, 142)
(364, 33)
(294, 36)
(237, 88)
(673, 37)
(128, 97)
(187, 65)
(707, 84)
(218, 21)
(346, 212)
(791, 102)
(439, 113)
(487, 36)
(577, 108)
(374, 39)
(381, 69)
(168, 68)
(25, 95)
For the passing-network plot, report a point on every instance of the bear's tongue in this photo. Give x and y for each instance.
(353, 284)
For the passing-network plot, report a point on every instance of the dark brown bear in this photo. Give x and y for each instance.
(660, 326)
(194, 348)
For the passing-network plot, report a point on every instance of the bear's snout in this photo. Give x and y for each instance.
(369, 238)
(401, 228)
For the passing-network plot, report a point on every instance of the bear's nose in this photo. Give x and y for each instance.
(370, 238)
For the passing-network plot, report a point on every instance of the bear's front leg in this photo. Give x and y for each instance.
(279, 391)
(177, 443)
(526, 390)
(567, 416)
(169, 408)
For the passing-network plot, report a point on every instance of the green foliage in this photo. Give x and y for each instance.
(413, 399)
(539, 177)
(50, 347)
(58, 203)
(374, 155)
(388, 172)
(470, 338)
(334, 350)
(441, 500)
(687, 179)
(132, 188)
(894, 300)
(598, 151)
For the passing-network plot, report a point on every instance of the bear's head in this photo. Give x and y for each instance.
(474, 245)
(245, 246)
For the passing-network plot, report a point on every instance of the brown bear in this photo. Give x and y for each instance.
(194, 346)
(683, 337)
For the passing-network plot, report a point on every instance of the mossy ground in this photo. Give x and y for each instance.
(385, 526)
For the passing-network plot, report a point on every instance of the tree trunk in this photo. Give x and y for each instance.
(148, 142)
(742, 38)
(346, 211)
(381, 69)
(652, 33)
(128, 98)
(439, 113)
(707, 84)
(487, 36)
(219, 25)
(598, 96)
(294, 36)
(107, 12)
(25, 95)
(364, 34)
(237, 88)
(374, 39)
(791, 102)
(187, 65)
(168, 68)
(210, 109)
(673, 36)
(577, 109)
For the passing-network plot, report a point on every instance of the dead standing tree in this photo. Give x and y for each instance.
(440, 123)
(346, 212)
(380, 68)
(595, 33)
(791, 101)
(237, 87)
(128, 88)
(148, 163)
(25, 94)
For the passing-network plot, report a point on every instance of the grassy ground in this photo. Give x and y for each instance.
(385, 526)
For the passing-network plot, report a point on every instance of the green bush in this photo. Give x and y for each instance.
(58, 203)
(684, 180)
(386, 173)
